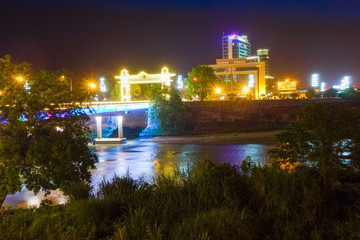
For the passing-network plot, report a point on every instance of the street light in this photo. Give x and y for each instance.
(65, 77)
(91, 86)
(218, 90)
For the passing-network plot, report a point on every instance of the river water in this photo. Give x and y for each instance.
(144, 159)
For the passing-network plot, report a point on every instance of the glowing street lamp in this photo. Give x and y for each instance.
(218, 90)
(245, 89)
(65, 77)
(92, 85)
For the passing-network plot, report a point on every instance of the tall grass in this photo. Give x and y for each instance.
(207, 202)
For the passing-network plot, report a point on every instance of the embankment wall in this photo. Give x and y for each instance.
(232, 116)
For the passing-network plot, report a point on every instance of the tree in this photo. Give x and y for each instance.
(324, 136)
(294, 95)
(43, 141)
(350, 94)
(199, 81)
(170, 113)
(330, 93)
(310, 93)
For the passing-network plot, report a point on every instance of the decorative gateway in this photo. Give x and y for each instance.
(142, 78)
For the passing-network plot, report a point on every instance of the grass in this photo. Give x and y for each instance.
(207, 202)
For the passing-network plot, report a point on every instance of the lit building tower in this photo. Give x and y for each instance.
(263, 56)
(315, 80)
(235, 46)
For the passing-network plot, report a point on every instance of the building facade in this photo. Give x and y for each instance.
(235, 46)
(263, 56)
(242, 77)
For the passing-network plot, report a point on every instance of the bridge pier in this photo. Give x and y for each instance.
(100, 140)
(98, 127)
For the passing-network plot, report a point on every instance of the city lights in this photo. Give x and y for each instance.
(251, 82)
(179, 82)
(344, 83)
(315, 80)
(26, 85)
(102, 85)
(287, 85)
(245, 89)
(218, 90)
(322, 87)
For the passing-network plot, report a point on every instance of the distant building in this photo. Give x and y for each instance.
(241, 76)
(287, 85)
(235, 46)
(263, 55)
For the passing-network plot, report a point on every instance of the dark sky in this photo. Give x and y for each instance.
(103, 37)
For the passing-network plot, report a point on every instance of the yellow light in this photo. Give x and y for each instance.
(293, 83)
(20, 79)
(287, 80)
(92, 85)
(279, 83)
(245, 89)
(218, 90)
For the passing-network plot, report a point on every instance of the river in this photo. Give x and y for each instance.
(143, 159)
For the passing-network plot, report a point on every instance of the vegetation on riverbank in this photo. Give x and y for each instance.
(310, 190)
(208, 202)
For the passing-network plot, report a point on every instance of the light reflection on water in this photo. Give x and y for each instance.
(148, 159)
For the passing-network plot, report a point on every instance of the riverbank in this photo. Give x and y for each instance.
(264, 137)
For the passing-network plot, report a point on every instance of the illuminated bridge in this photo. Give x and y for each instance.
(114, 107)
(106, 117)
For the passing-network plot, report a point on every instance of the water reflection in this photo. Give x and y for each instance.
(146, 160)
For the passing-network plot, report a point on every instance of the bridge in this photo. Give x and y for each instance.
(113, 107)
(113, 114)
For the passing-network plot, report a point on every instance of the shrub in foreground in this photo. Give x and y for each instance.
(208, 202)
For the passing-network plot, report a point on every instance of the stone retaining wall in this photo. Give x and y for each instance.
(230, 116)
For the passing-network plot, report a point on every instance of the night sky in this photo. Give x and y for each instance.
(103, 37)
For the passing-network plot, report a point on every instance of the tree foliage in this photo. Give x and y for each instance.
(330, 93)
(324, 136)
(310, 93)
(43, 142)
(201, 85)
(171, 112)
(350, 94)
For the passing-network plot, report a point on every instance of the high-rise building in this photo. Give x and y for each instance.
(263, 56)
(235, 46)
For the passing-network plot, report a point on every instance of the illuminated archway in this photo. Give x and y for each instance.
(164, 78)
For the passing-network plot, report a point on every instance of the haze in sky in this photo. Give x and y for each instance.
(103, 37)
